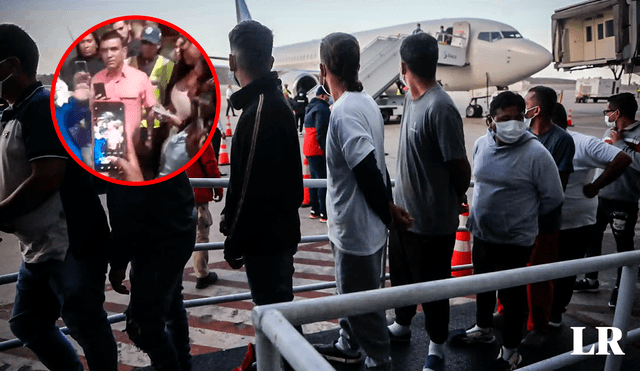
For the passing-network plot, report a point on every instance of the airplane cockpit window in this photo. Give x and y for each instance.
(495, 36)
(511, 35)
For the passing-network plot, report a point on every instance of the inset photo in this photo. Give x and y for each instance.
(136, 100)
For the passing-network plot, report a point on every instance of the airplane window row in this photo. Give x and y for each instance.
(495, 35)
(301, 57)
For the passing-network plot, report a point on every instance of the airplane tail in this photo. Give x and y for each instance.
(242, 11)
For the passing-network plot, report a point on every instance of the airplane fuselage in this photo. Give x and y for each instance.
(496, 54)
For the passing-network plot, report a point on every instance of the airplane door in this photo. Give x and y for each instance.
(455, 53)
(460, 34)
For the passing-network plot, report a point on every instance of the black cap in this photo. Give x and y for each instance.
(321, 91)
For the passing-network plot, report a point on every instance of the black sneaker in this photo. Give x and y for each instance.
(331, 353)
(614, 298)
(323, 218)
(204, 282)
(314, 214)
(474, 335)
(585, 285)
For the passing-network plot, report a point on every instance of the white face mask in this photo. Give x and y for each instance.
(610, 124)
(232, 77)
(510, 131)
(5, 79)
(11, 74)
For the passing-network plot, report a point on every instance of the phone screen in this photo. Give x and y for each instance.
(81, 66)
(109, 137)
(99, 90)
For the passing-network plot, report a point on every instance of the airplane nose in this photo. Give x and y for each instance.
(536, 56)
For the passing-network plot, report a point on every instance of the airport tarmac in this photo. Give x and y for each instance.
(219, 333)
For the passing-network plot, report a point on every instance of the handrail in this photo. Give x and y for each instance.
(321, 309)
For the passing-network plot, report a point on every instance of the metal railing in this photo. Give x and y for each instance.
(276, 335)
(273, 324)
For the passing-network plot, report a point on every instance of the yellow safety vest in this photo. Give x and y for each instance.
(160, 76)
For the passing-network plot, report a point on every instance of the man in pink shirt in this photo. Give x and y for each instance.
(125, 84)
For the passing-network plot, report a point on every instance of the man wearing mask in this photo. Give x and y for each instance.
(618, 202)
(540, 103)
(51, 205)
(515, 181)
(432, 179)
(580, 205)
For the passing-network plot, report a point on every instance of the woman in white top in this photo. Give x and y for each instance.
(186, 85)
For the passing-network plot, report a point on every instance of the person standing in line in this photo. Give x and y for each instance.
(431, 184)
(359, 206)
(316, 123)
(516, 180)
(618, 202)
(260, 219)
(580, 203)
(540, 103)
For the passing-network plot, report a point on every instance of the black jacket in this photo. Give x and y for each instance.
(266, 220)
(317, 116)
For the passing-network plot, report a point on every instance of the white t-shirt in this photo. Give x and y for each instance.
(229, 93)
(356, 128)
(591, 154)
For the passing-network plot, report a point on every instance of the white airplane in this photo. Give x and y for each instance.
(474, 53)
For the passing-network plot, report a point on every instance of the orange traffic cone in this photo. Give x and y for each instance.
(462, 249)
(569, 120)
(306, 175)
(228, 131)
(224, 155)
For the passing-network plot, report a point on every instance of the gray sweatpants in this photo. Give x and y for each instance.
(369, 331)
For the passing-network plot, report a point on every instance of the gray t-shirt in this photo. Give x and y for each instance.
(431, 135)
(355, 129)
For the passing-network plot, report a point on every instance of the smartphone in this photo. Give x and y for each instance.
(99, 91)
(108, 133)
(81, 66)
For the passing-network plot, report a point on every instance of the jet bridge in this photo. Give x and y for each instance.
(597, 33)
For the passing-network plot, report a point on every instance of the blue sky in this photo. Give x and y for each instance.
(209, 21)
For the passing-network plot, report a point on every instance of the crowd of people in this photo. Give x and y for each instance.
(534, 196)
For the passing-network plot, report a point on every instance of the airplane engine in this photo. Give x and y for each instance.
(299, 81)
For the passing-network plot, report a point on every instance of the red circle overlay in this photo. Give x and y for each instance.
(64, 59)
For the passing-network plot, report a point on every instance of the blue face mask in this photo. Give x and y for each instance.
(510, 131)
